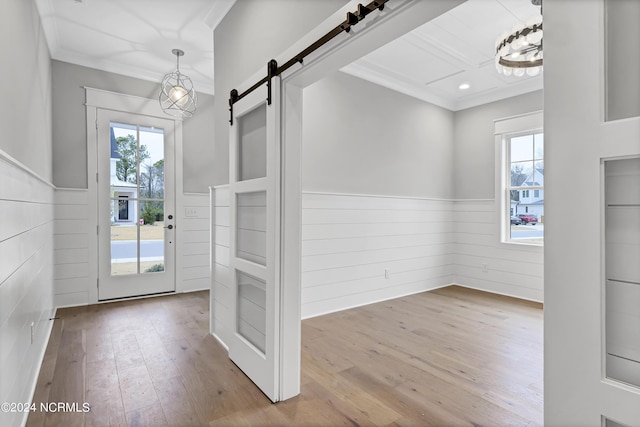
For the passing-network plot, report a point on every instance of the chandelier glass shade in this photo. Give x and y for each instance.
(177, 95)
(520, 52)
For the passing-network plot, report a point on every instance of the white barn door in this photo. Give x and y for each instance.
(254, 184)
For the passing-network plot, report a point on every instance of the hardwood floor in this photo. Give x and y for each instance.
(449, 357)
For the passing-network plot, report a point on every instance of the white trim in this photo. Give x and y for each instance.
(378, 300)
(108, 100)
(526, 123)
(226, 347)
(79, 190)
(497, 293)
(16, 163)
(337, 310)
(520, 123)
(92, 201)
(178, 206)
(291, 241)
(603, 271)
(217, 13)
(212, 260)
(40, 358)
(383, 196)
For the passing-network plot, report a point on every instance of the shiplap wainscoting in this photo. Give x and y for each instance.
(76, 260)
(26, 272)
(349, 240)
(512, 269)
(221, 320)
(193, 239)
(72, 276)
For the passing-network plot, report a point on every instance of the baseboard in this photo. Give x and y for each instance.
(40, 359)
(419, 292)
(497, 293)
(375, 301)
(59, 305)
(226, 347)
(186, 291)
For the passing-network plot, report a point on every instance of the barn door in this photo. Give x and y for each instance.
(254, 184)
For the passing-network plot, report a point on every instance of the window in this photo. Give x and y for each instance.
(524, 187)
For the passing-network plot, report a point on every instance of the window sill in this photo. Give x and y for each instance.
(524, 243)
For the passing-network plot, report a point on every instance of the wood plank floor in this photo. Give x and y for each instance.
(449, 357)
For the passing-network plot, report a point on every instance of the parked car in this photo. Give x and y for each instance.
(515, 220)
(528, 219)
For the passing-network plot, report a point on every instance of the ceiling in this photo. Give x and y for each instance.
(135, 38)
(431, 62)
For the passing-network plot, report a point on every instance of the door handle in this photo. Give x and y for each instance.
(170, 227)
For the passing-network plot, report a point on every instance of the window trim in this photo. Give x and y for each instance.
(504, 130)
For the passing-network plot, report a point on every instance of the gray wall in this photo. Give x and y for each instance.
(26, 203)
(474, 147)
(362, 138)
(25, 85)
(252, 33)
(70, 130)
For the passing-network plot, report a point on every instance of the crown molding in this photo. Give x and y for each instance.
(201, 86)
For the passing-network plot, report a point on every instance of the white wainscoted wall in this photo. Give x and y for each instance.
(75, 247)
(26, 271)
(511, 269)
(194, 274)
(359, 249)
(72, 276)
(221, 320)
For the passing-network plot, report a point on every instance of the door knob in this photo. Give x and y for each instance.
(170, 227)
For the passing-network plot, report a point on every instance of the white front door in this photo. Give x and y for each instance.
(136, 205)
(254, 185)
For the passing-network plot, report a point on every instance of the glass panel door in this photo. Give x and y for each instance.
(254, 241)
(138, 190)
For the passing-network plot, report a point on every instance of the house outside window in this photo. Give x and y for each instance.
(524, 187)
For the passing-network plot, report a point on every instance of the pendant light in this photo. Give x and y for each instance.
(177, 96)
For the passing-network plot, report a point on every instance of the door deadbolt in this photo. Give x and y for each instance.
(170, 217)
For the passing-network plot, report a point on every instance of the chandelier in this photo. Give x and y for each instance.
(177, 96)
(520, 51)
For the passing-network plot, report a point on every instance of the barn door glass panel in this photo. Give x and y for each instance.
(252, 146)
(251, 226)
(622, 284)
(251, 309)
